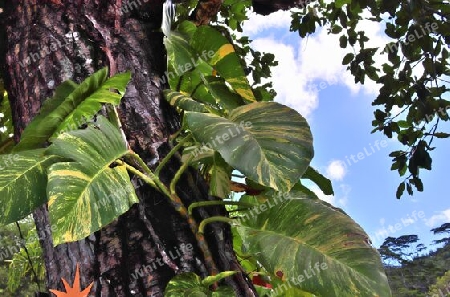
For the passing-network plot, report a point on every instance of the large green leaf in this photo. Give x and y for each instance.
(314, 247)
(87, 194)
(23, 178)
(40, 128)
(223, 58)
(72, 106)
(268, 142)
(182, 60)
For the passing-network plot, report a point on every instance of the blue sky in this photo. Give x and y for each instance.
(311, 79)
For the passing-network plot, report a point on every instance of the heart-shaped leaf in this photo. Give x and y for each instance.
(314, 247)
(268, 142)
(87, 194)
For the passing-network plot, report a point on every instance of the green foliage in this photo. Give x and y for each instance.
(414, 79)
(412, 271)
(72, 106)
(23, 178)
(326, 247)
(83, 174)
(20, 280)
(23, 175)
(271, 145)
(85, 193)
(261, 140)
(442, 285)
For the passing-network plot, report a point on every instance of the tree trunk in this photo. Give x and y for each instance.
(51, 41)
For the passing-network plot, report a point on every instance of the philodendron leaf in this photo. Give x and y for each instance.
(23, 179)
(315, 248)
(219, 53)
(72, 106)
(184, 102)
(40, 128)
(190, 284)
(220, 175)
(86, 194)
(320, 180)
(268, 142)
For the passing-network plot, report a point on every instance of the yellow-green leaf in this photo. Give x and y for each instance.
(86, 194)
(268, 142)
(314, 247)
(23, 178)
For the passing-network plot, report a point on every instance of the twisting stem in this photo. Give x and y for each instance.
(154, 180)
(201, 227)
(136, 172)
(171, 153)
(179, 173)
(149, 173)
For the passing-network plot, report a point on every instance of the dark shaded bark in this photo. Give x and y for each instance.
(122, 36)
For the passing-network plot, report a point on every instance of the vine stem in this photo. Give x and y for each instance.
(36, 279)
(171, 153)
(153, 180)
(136, 172)
(179, 173)
(213, 203)
(201, 228)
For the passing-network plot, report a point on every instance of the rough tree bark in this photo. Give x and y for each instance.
(41, 52)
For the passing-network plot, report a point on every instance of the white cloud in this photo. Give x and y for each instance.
(439, 218)
(287, 77)
(312, 64)
(336, 170)
(343, 198)
(258, 23)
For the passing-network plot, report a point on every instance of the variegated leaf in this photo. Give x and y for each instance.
(184, 102)
(87, 194)
(324, 252)
(41, 128)
(268, 142)
(72, 106)
(183, 61)
(23, 178)
(220, 175)
(324, 183)
(219, 53)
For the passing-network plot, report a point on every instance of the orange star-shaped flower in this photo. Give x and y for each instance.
(75, 290)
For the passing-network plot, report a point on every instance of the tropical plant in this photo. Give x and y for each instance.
(78, 154)
(82, 174)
